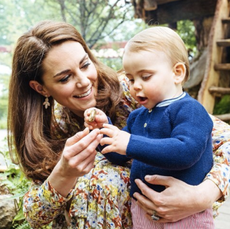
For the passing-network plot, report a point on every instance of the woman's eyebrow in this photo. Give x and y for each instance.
(84, 57)
(67, 70)
(61, 73)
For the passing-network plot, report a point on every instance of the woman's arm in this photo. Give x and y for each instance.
(220, 173)
(179, 199)
(43, 202)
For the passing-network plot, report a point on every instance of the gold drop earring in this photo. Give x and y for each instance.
(46, 103)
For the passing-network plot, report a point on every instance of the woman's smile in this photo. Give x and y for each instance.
(85, 94)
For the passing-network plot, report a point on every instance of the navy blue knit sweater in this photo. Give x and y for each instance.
(172, 139)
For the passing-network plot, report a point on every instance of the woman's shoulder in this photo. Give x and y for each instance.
(60, 116)
(65, 124)
(128, 100)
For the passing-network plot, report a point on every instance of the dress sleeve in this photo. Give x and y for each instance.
(220, 172)
(42, 203)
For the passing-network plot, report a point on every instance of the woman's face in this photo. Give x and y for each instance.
(70, 77)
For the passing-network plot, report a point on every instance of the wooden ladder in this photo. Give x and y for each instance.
(211, 88)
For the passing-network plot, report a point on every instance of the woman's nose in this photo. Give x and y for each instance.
(82, 81)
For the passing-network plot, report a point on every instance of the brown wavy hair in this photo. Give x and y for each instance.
(30, 137)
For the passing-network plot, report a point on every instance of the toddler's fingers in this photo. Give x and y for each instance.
(107, 131)
(106, 141)
(107, 149)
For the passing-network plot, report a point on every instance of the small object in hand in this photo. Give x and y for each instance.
(92, 115)
(154, 216)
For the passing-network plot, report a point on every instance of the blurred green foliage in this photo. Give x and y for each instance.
(223, 106)
(17, 185)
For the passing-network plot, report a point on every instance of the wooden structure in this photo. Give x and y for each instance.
(170, 11)
(212, 87)
(215, 38)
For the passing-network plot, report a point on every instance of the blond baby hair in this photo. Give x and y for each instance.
(161, 39)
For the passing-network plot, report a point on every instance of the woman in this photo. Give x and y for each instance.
(73, 185)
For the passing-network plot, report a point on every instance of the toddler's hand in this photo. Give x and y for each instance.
(116, 140)
(94, 118)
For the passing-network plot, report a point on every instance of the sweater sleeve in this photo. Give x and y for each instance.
(191, 129)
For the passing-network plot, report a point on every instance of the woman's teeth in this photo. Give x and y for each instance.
(83, 95)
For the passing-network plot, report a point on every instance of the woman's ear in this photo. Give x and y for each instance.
(179, 71)
(38, 88)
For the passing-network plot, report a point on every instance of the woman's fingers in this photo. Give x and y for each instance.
(86, 147)
(147, 199)
(165, 181)
(77, 137)
(86, 165)
(81, 141)
(160, 180)
(147, 205)
(79, 153)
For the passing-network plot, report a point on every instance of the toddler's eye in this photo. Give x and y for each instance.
(146, 77)
(131, 81)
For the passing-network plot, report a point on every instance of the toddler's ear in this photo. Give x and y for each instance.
(179, 71)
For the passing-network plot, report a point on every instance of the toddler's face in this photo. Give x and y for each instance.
(151, 77)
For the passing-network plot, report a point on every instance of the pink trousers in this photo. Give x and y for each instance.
(203, 220)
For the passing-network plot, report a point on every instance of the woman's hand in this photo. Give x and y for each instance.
(76, 160)
(178, 200)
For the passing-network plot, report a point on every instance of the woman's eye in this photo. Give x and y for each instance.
(85, 65)
(64, 79)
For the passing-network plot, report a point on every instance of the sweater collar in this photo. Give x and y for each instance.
(167, 102)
